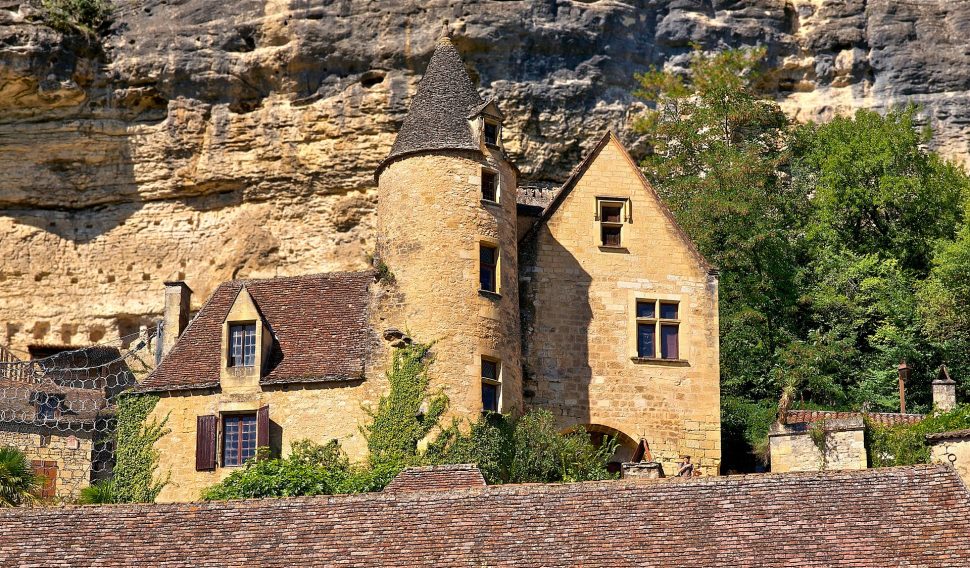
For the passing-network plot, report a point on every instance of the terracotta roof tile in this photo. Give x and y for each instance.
(882, 418)
(436, 478)
(319, 324)
(911, 516)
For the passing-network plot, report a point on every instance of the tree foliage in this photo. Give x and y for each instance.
(89, 17)
(841, 246)
(18, 482)
(905, 444)
(525, 449)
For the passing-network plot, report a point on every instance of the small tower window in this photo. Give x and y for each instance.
(242, 345)
(489, 186)
(491, 385)
(491, 133)
(488, 267)
(612, 215)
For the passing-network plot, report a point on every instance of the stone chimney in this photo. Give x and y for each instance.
(944, 391)
(178, 297)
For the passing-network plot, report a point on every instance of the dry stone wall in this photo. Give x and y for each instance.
(208, 140)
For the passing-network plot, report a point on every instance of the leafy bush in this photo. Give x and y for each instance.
(100, 493)
(17, 479)
(526, 449)
(905, 444)
(744, 432)
(85, 16)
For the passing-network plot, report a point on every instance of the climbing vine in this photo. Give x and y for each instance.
(135, 454)
(406, 414)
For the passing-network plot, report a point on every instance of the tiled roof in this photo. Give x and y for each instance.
(438, 116)
(909, 516)
(79, 407)
(951, 435)
(319, 324)
(436, 478)
(882, 418)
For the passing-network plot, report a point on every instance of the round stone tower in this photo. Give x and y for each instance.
(446, 230)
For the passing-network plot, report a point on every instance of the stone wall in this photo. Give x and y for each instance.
(954, 450)
(319, 413)
(793, 449)
(431, 220)
(580, 331)
(73, 463)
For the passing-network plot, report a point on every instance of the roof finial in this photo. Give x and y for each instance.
(445, 31)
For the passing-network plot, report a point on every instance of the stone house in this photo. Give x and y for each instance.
(587, 300)
(55, 409)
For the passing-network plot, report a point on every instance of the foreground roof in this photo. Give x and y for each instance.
(881, 418)
(319, 325)
(911, 516)
(439, 113)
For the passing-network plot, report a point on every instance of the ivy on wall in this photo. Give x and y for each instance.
(136, 459)
(406, 414)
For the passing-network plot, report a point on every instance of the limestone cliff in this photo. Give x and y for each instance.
(207, 140)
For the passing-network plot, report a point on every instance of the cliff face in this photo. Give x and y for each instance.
(209, 140)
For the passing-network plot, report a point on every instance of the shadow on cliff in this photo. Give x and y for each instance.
(88, 201)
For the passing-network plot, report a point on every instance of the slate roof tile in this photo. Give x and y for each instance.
(909, 516)
(319, 324)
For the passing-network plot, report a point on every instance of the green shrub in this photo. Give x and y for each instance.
(70, 16)
(905, 444)
(17, 479)
(526, 449)
(100, 493)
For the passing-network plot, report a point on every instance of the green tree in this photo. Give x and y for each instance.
(719, 152)
(18, 482)
(69, 16)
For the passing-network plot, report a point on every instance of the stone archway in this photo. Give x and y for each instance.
(625, 444)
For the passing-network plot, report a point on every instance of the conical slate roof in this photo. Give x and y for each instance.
(438, 117)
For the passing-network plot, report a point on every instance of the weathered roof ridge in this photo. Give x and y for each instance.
(884, 418)
(437, 478)
(438, 116)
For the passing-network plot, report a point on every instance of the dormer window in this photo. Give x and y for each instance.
(242, 345)
(490, 132)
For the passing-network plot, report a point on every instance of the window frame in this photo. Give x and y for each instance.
(496, 267)
(496, 188)
(223, 430)
(659, 323)
(230, 360)
(496, 382)
(626, 218)
(498, 132)
(56, 412)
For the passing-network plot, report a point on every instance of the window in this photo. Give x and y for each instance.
(491, 385)
(488, 267)
(238, 439)
(489, 186)
(48, 406)
(612, 214)
(242, 345)
(491, 133)
(658, 329)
